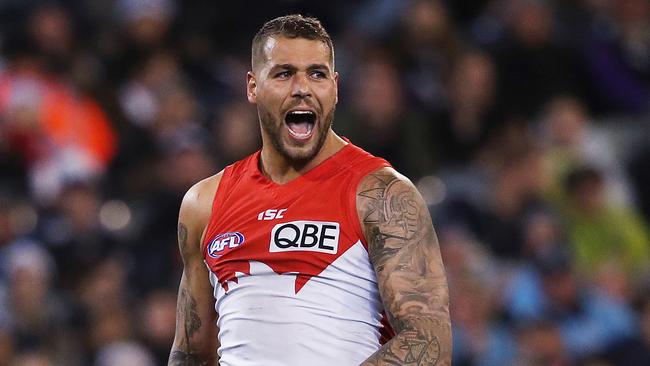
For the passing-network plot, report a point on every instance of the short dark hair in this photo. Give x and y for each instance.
(579, 176)
(290, 26)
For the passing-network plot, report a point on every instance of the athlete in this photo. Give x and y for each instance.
(310, 251)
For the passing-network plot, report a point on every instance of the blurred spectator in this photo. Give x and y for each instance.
(58, 134)
(124, 353)
(587, 321)
(140, 97)
(601, 233)
(634, 351)
(39, 316)
(542, 233)
(530, 59)
(51, 29)
(155, 250)
(17, 219)
(146, 20)
(515, 191)
(158, 322)
(109, 328)
(73, 232)
(380, 121)
(540, 344)
(32, 359)
(543, 236)
(571, 140)
(6, 342)
(145, 27)
(465, 11)
(426, 44)
(235, 132)
(638, 169)
(613, 280)
(103, 290)
(165, 117)
(478, 337)
(105, 301)
(463, 128)
(177, 120)
(617, 55)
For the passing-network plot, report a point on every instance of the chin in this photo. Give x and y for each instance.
(301, 154)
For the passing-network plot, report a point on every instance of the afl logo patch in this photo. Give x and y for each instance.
(219, 245)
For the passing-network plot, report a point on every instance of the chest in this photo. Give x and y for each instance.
(300, 230)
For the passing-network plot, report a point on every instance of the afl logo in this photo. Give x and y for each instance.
(224, 241)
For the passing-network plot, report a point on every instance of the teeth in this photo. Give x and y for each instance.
(302, 112)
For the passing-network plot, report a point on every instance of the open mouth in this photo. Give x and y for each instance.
(300, 123)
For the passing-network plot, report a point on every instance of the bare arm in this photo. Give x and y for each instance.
(196, 341)
(404, 251)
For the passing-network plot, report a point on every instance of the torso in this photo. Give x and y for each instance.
(292, 280)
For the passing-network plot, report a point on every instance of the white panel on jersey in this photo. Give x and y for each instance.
(333, 320)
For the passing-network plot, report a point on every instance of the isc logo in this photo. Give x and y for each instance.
(224, 241)
(271, 214)
(313, 236)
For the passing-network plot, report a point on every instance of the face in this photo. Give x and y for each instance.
(295, 90)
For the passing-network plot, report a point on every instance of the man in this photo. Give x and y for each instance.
(311, 245)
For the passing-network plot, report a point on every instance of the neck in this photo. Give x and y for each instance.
(282, 170)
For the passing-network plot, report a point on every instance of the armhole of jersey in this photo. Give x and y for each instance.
(214, 212)
(352, 196)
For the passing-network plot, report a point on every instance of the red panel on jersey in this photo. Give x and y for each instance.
(298, 227)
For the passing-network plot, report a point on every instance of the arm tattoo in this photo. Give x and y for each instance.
(186, 302)
(188, 308)
(188, 316)
(404, 251)
(182, 237)
(180, 358)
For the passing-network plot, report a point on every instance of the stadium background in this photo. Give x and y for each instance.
(524, 123)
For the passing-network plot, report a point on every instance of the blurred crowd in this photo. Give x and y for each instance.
(524, 124)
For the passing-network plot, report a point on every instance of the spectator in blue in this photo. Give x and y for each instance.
(548, 290)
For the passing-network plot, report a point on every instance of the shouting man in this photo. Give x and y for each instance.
(311, 251)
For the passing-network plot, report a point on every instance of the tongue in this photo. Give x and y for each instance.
(301, 128)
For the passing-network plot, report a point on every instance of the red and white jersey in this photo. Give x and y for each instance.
(289, 265)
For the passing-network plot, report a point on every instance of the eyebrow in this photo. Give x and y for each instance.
(291, 67)
(317, 67)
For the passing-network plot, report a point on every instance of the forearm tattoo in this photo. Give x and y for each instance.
(404, 250)
(192, 321)
(188, 316)
(180, 358)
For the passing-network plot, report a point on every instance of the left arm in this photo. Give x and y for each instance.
(404, 251)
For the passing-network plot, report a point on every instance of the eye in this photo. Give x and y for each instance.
(283, 75)
(318, 74)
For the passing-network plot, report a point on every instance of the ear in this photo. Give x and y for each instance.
(251, 87)
(336, 84)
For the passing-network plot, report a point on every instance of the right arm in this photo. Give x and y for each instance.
(196, 340)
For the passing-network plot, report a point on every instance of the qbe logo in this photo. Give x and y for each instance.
(224, 241)
(312, 236)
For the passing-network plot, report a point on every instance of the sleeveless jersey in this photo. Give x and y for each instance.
(292, 280)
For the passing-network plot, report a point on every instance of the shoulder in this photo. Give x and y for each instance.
(385, 196)
(364, 167)
(196, 206)
(374, 184)
(356, 154)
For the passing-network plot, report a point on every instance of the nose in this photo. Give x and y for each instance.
(300, 86)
